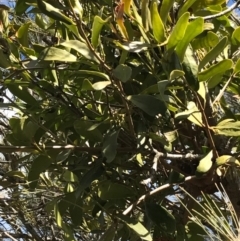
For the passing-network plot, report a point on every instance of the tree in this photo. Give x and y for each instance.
(126, 120)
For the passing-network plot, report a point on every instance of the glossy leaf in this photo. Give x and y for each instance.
(127, 6)
(192, 114)
(98, 23)
(205, 164)
(208, 41)
(194, 28)
(166, 6)
(157, 24)
(226, 159)
(81, 48)
(178, 32)
(101, 85)
(213, 53)
(216, 69)
(149, 104)
(53, 12)
(185, 7)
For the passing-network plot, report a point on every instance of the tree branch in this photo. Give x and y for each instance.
(217, 15)
(165, 186)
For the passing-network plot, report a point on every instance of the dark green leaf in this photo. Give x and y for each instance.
(122, 72)
(137, 227)
(149, 104)
(94, 172)
(161, 217)
(109, 148)
(109, 190)
(40, 164)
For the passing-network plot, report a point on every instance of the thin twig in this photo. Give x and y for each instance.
(207, 127)
(222, 90)
(165, 186)
(217, 15)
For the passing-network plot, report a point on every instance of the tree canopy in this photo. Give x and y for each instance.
(120, 120)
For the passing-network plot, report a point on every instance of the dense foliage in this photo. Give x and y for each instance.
(122, 120)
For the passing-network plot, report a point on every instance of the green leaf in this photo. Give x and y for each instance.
(56, 54)
(166, 6)
(237, 67)
(226, 159)
(214, 52)
(149, 104)
(185, 7)
(122, 72)
(236, 36)
(40, 164)
(69, 176)
(178, 32)
(157, 24)
(215, 80)
(176, 74)
(216, 69)
(22, 34)
(109, 190)
(207, 41)
(109, 148)
(195, 233)
(190, 68)
(89, 73)
(194, 28)
(94, 173)
(4, 60)
(161, 217)
(192, 114)
(21, 6)
(53, 12)
(227, 127)
(137, 227)
(205, 164)
(81, 48)
(85, 130)
(23, 94)
(98, 23)
(176, 177)
(101, 85)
